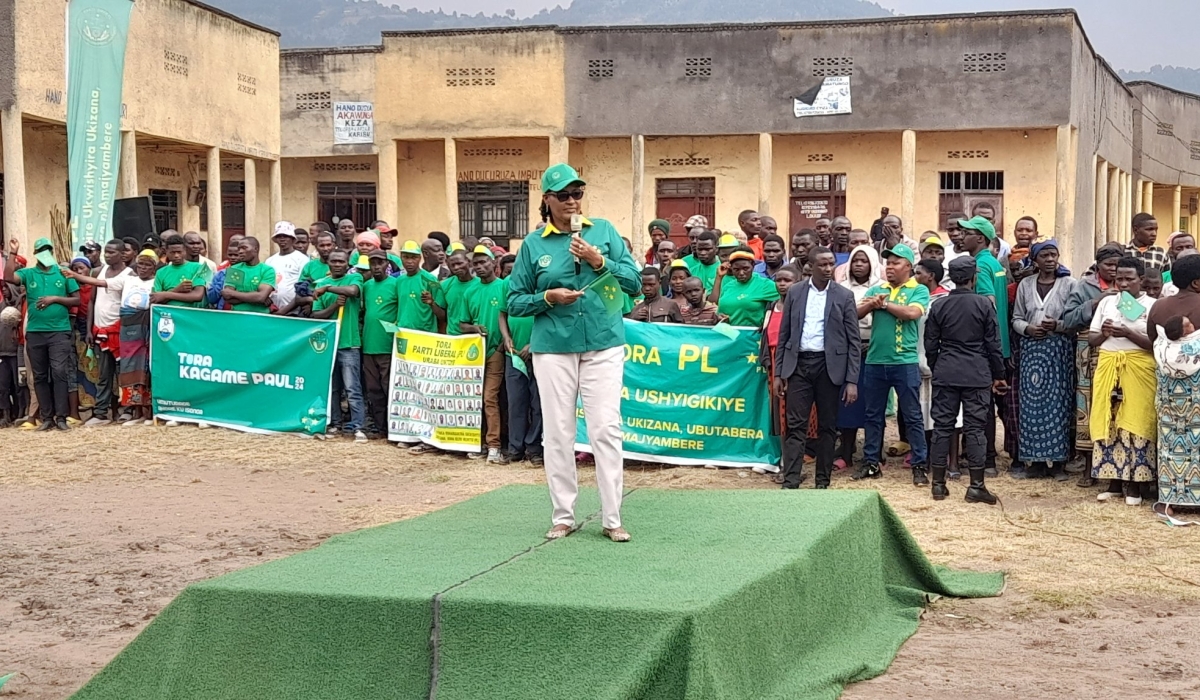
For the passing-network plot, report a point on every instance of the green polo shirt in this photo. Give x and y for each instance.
(894, 342)
(245, 278)
(46, 282)
(349, 335)
(169, 276)
(314, 270)
(484, 304)
(706, 273)
(455, 291)
(379, 303)
(544, 262)
(413, 313)
(992, 281)
(746, 304)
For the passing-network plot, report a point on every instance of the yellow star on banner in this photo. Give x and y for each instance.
(751, 358)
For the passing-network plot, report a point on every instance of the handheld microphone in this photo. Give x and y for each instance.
(576, 227)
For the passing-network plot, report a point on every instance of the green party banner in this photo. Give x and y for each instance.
(96, 33)
(250, 372)
(693, 396)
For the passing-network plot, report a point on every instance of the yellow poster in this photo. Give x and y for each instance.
(437, 390)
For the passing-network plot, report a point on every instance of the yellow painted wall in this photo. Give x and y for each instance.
(608, 169)
(871, 163)
(45, 179)
(1164, 212)
(413, 100)
(300, 178)
(732, 162)
(492, 160)
(347, 75)
(229, 97)
(163, 170)
(421, 178)
(1028, 165)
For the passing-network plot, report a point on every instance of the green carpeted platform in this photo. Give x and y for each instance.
(723, 594)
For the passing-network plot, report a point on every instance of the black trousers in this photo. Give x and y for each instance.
(976, 404)
(377, 372)
(10, 391)
(107, 402)
(51, 360)
(810, 384)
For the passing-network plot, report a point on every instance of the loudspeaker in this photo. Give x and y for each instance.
(132, 218)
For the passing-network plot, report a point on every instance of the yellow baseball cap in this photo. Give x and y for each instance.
(728, 241)
(484, 250)
(411, 248)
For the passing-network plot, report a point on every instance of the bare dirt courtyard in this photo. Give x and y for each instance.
(101, 528)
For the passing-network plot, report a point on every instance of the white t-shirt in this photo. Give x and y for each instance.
(107, 300)
(135, 291)
(287, 271)
(1107, 311)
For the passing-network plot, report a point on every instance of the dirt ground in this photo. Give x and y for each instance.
(100, 529)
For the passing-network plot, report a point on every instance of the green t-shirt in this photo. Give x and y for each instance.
(706, 273)
(314, 270)
(245, 278)
(894, 342)
(992, 281)
(746, 304)
(521, 330)
(40, 282)
(169, 276)
(414, 313)
(484, 304)
(456, 302)
(349, 335)
(379, 304)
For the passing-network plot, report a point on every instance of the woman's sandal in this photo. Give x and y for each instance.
(617, 534)
(558, 532)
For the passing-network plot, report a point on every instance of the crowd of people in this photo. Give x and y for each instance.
(952, 333)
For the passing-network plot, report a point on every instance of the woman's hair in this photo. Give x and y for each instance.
(544, 210)
(1131, 263)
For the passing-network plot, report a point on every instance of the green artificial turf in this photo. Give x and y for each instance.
(723, 594)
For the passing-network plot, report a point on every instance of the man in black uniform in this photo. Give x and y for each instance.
(961, 329)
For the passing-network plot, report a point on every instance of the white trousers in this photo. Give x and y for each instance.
(597, 377)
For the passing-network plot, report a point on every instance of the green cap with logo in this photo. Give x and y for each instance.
(410, 248)
(558, 177)
(43, 252)
(901, 251)
(979, 224)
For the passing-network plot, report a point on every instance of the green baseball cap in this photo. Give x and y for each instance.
(484, 250)
(559, 177)
(979, 224)
(901, 251)
(662, 225)
(410, 248)
(43, 252)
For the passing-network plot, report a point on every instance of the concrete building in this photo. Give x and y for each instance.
(1012, 108)
(451, 130)
(200, 113)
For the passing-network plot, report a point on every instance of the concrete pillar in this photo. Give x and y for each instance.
(637, 224)
(251, 210)
(16, 223)
(766, 148)
(452, 226)
(1063, 190)
(1176, 207)
(127, 183)
(1139, 196)
(908, 179)
(1148, 198)
(216, 239)
(1101, 204)
(1114, 204)
(560, 149)
(276, 208)
(387, 197)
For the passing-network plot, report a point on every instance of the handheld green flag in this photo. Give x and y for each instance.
(519, 364)
(5, 679)
(610, 293)
(1129, 307)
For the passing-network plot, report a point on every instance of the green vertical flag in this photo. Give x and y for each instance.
(1129, 307)
(96, 34)
(610, 293)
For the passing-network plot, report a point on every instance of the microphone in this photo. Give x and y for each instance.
(576, 227)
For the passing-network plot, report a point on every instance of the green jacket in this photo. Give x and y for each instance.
(544, 262)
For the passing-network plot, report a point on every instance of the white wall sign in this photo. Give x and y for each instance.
(831, 97)
(353, 122)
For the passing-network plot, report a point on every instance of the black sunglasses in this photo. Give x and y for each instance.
(566, 195)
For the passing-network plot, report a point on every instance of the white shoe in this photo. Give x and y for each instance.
(172, 424)
(496, 457)
(97, 422)
(476, 455)
(1133, 500)
(203, 426)
(759, 470)
(131, 422)
(149, 422)
(360, 436)
(1107, 496)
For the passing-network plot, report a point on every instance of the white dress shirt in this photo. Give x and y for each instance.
(812, 333)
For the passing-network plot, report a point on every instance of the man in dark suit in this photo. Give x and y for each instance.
(818, 362)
